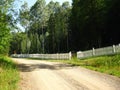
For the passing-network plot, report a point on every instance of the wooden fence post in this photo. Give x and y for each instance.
(119, 45)
(70, 55)
(93, 52)
(57, 56)
(114, 49)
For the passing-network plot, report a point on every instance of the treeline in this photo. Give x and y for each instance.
(55, 28)
(46, 28)
(94, 23)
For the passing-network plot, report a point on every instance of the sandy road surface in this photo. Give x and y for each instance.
(42, 75)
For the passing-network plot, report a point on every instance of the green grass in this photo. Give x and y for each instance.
(9, 75)
(105, 64)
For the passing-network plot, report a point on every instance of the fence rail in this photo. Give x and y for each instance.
(98, 52)
(44, 56)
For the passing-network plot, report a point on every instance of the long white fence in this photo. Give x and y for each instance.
(98, 52)
(44, 56)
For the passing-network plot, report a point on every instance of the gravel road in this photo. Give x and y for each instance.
(43, 75)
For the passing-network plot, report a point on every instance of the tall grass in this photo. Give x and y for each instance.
(9, 75)
(106, 64)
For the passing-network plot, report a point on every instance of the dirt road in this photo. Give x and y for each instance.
(42, 75)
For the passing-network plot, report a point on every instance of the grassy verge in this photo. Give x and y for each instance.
(104, 64)
(9, 75)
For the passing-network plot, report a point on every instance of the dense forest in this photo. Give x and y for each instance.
(94, 23)
(56, 28)
(46, 28)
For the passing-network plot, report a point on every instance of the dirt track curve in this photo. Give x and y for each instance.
(42, 75)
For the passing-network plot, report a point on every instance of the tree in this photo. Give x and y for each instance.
(17, 43)
(40, 16)
(58, 28)
(113, 21)
(25, 46)
(46, 27)
(88, 22)
(24, 18)
(4, 26)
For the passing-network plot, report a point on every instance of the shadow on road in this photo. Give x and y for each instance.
(32, 67)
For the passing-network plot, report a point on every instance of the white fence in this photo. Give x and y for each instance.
(44, 56)
(98, 52)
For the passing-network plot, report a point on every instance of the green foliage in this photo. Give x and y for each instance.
(55, 28)
(9, 75)
(94, 23)
(4, 34)
(24, 15)
(58, 29)
(46, 28)
(25, 44)
(5, 25)
(16, 42)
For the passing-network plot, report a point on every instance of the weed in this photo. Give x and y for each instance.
(9, 75)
